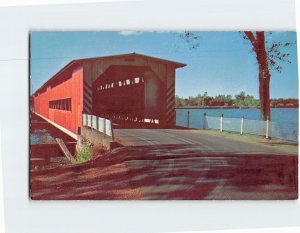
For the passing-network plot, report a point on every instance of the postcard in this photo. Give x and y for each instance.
(163, 115)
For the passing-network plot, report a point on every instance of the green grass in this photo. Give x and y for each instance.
(84, 154)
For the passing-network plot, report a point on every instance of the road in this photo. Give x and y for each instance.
(192, 139)
(165, 164)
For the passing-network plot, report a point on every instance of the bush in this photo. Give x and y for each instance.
(84, 154)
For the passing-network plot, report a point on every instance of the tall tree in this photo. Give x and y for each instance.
(264, 76)
(268, 56)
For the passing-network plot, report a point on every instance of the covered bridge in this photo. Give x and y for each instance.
(131, 87)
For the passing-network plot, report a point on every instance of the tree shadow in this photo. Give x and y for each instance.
(171, 172)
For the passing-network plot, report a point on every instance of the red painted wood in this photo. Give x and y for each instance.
(71, 86)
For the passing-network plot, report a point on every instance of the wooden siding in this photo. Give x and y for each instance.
(71, 87)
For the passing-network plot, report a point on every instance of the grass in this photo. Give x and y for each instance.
(284, 147)
(83, 154)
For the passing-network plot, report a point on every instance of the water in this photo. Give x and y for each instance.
(42, 132)
(284, 120)
(41, 136)
(44, 150)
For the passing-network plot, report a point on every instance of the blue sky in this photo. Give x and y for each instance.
(222, 64)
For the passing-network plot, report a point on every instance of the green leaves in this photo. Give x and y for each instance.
(241, 100)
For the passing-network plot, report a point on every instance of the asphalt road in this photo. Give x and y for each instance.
(165, 164)
(179, 138)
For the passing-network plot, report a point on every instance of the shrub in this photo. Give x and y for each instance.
(84, 154)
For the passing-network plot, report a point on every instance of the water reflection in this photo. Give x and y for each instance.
(41, 136)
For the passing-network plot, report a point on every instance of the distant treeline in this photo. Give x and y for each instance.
(238, 101)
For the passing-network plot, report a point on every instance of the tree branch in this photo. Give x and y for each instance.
(260, 35)
(251, 37)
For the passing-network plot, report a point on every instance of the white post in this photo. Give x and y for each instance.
(97, 123)
(104, 127)
(221, 123)
(112, 132)
(267, 129)
(89, 121)
(242, 125)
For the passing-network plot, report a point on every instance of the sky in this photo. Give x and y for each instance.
(221, 64)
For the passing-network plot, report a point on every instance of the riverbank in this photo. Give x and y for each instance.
(282, 147)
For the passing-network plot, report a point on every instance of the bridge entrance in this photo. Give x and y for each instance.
(129, 95)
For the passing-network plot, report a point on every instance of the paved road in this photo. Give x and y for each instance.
(193, 164)
(174, 164)
(190, 139)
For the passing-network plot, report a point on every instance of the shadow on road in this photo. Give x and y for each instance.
(171, 172)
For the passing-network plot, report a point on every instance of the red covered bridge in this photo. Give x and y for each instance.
(131, 87)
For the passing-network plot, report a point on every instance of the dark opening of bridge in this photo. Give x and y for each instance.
(130, 95)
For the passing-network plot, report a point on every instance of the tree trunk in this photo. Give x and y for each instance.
(264, 77)
(264, 96)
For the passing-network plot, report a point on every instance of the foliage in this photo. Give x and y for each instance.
(279, 103)
(241, 100)
(83, 154)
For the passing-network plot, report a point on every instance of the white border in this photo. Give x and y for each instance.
(23, 215)
(50, 2)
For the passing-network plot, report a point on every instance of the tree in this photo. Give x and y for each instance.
(178, 101)
(268, 58)
(239, 99)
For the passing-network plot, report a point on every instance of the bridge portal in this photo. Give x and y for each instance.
(129, 93)
(125, 88)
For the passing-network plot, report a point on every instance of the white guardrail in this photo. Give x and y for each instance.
(269, 129)
(98, 123)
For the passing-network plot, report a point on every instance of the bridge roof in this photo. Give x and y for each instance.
(138, 55)
(78, 62)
